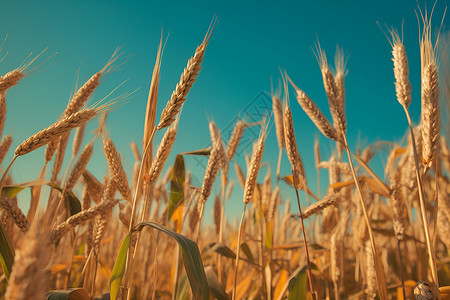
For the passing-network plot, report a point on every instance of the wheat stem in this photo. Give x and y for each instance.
(236, 264)
(379, 271)
(423, 211)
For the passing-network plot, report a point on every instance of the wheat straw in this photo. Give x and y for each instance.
(2, 111)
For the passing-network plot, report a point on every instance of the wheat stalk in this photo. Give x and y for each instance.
(250, 184)
(2, 111)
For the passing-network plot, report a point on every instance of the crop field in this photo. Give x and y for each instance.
(372, 230)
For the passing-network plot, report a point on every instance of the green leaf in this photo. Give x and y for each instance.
(183, 292)
(68, 294)
(119, 268)
(247, 252)
(297, 285)
(214, 284)
(11, 191)
(74, 203)
(227, 252)
(191, 258)
(6, 252)
(177, 178)
(202, 152)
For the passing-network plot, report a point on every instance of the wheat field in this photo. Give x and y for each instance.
(145, 235)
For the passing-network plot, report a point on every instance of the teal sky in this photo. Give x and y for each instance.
(252, 40)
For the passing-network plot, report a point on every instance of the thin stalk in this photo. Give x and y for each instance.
(308, 263)
(155, 268)
(401, 269)
(2, 181)
(219, 257)
(261, 259)
(130, 258)
(199, 225)
(423, 211)
(241, 226)
(379, 271)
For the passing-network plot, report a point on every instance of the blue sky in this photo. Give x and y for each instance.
(251, 42)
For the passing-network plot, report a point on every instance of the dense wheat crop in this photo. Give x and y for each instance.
(373, 234)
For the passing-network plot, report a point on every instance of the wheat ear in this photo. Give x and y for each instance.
(115, 165)
(78, 168)
(83, 216)
(85, 91)
(163, 153)
(314, 113)
(55, 130)
(186, 81)
(5, 144)
(335, 102)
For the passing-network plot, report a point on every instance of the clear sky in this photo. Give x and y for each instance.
(252, 40)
